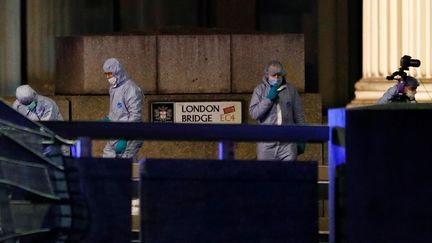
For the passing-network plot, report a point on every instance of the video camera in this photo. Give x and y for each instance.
(405, 62)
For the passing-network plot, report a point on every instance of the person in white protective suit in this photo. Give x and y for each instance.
(402, 92)
(126, 101)
(276, 102)
(34, 106)
(37, 107)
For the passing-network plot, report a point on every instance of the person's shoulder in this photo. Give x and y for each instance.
(260, 86)
(131, 87)
(392, 89)
(291, 87)
(46, 100)
(131, 84)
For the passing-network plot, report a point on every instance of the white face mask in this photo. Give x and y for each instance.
(272, 81)
(112, 80)
(411, 94)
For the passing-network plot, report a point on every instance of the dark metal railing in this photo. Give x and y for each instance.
(84, 132)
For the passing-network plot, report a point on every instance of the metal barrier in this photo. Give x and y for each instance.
(225, 134)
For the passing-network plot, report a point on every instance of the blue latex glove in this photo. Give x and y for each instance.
(273, 93)
(32, 106)
(120, 146)
(301, 147)
(105, 119)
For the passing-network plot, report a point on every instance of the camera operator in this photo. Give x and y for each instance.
(403, 92)
(406, 88)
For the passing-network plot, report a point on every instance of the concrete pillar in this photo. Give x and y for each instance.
(47, 19)
(391, 29)
(43, 23)
(333, 51)
(10, 46)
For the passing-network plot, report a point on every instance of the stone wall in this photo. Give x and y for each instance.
(179, 67)
(178, 64)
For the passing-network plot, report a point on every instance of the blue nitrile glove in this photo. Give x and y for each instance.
(32, 106)
(273, 93)
(105, 119)
(301, 147)
(120, 146)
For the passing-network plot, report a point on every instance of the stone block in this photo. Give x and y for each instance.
(79, 62)
(323, 174)
(250, 54)
(135, 222)
(63, 105)
(194, 64)
(179, 150)
(324, 224)
(90, 108)
(313, 113)
(61, 101)
(97, 147)
(9, 100)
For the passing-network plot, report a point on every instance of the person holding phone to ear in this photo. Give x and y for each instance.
(277, 102)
